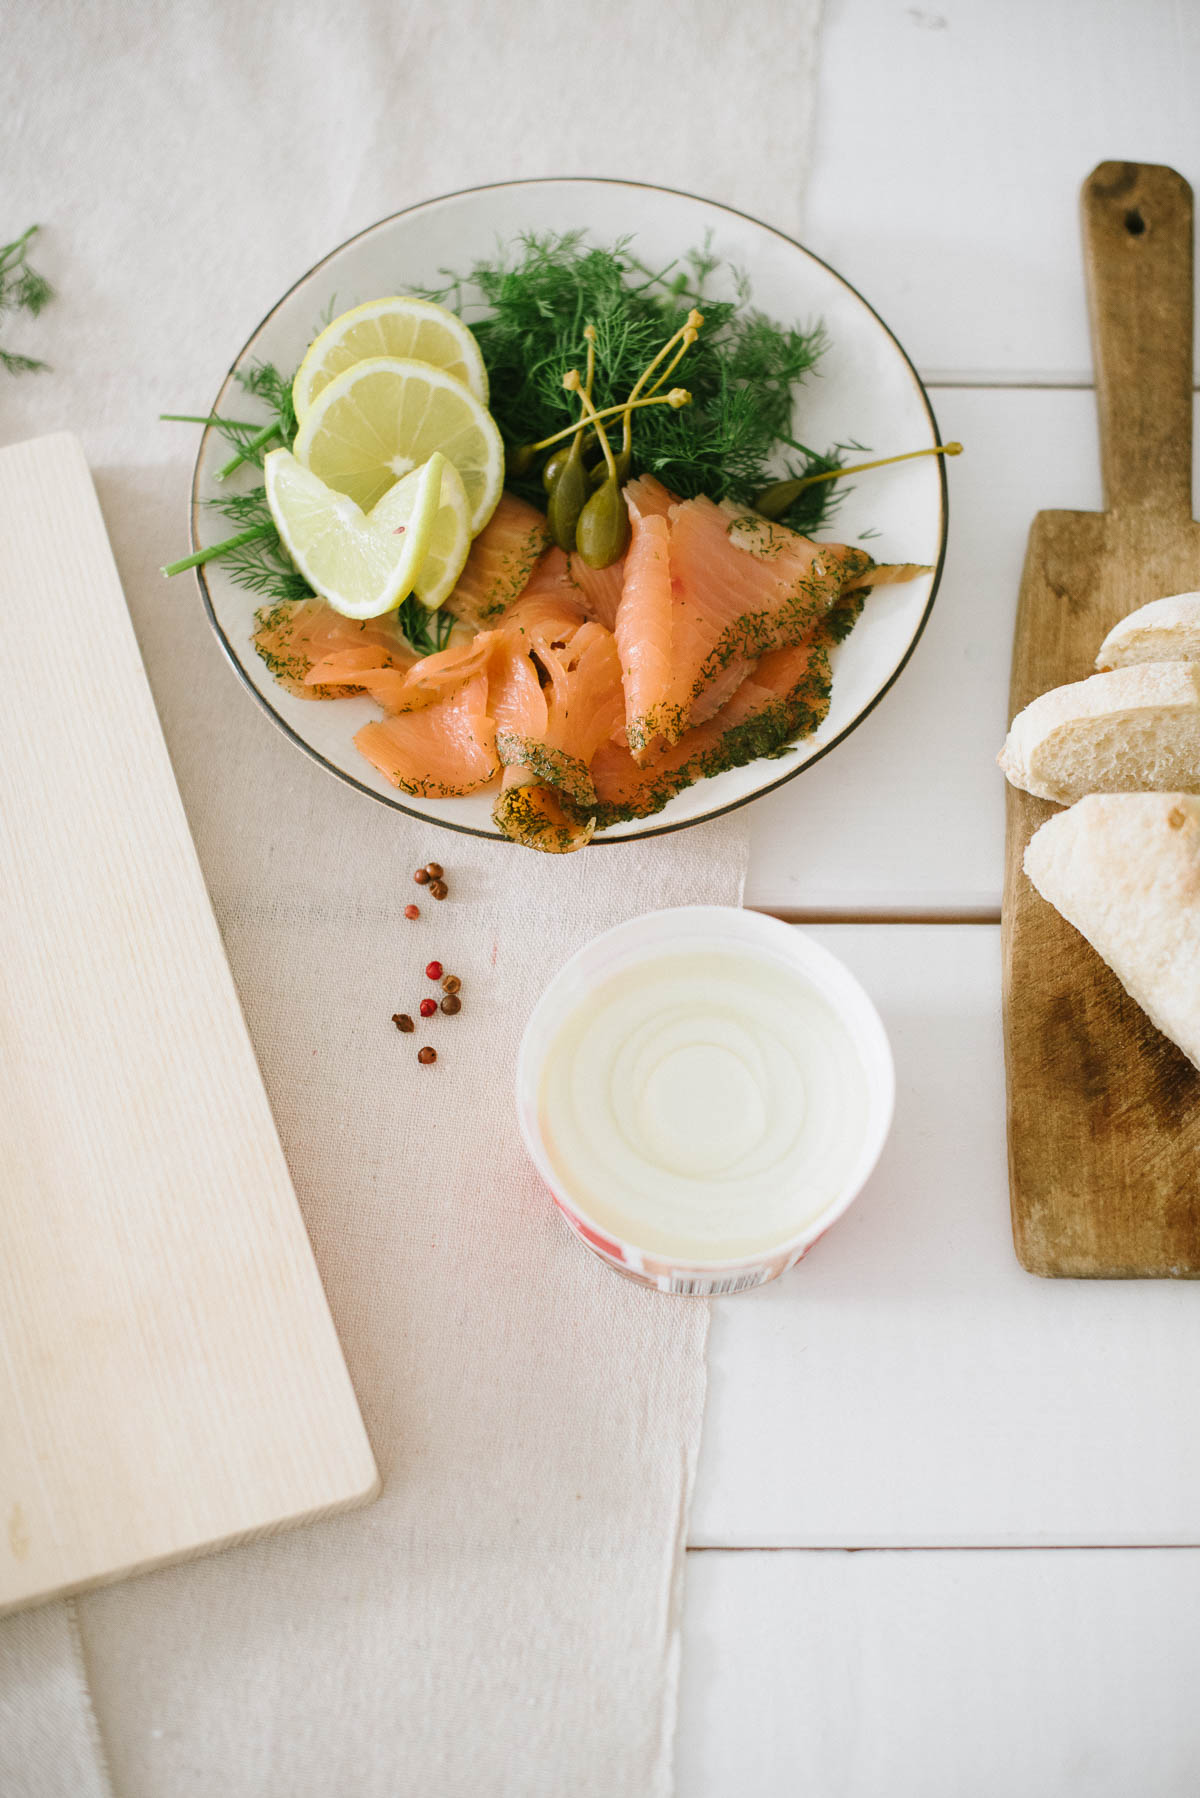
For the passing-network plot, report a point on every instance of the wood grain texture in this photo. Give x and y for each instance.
(170, 1379)
(1103, 1111)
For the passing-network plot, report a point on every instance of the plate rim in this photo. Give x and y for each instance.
(652, 830)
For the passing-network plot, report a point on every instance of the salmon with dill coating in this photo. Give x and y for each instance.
(722, 630)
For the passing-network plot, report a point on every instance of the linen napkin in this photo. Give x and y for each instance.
(505, 1619)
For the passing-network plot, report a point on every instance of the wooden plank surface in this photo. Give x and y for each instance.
(909, 1384)
(1018, 1675)
(951, 137)
(1103, 1112)
(907, 815)
(169, 1374)
(926, 1363)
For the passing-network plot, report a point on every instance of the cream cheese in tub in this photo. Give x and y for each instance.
(704, 1090)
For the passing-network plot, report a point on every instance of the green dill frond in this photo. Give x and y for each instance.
(742, 373)
(816, 506)
(22, 289)
(426, 631)
(243, 509)
(264, 566)
(16, 364)
(264, 381)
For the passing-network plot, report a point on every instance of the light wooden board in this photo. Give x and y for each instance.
(909, 1384)
(962, 1675)
(1104, 1112)
(169, 1374)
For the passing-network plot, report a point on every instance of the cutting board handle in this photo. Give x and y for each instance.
(1137, 235)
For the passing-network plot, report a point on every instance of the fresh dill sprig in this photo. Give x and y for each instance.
(265, 383)
(741, 373)
(253, 556)
(260, 564)
(22, 289)
(427, 631)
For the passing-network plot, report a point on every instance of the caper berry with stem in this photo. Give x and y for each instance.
(554, 464)
(774, 500)
(568, 497)
(600, 473)
(567, 488)
(602, 531)
(602, 534)
(519, 458)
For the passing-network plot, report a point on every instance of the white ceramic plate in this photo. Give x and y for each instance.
(866, 391)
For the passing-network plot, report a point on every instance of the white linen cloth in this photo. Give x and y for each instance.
(504, 1619)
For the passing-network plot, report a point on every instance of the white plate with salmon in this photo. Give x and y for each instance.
(644, 592)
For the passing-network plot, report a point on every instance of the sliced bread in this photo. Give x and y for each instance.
(1167, 630)
(1132, 730)
(1124, 869)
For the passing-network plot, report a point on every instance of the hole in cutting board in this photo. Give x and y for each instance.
(1135, 224)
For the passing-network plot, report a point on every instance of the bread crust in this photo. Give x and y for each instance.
(1166, 630)
(1037, 753)
(1124, 869)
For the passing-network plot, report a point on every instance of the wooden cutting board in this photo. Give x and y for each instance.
(170, 1379)
(1103, 1111)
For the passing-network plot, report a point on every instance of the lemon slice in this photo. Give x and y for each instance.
(379, 419)
(361, 569)
(400, 326)
(450, 538)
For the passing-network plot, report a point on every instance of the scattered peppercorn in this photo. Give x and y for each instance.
(451, 1003)
(412, 911)
(434, 870)
(426, 1055)
(428, 1007)
(422, 877)
(438, 888)
(452, 984)
(434, 970)
(402, 1021)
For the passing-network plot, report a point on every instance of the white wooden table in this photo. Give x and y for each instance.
(1034, 1444)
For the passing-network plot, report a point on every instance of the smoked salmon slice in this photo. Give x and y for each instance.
(783, 698)
(501, 561)
(516, 699)
(440, 752)
(583, 707)
(536, 815)
(298, 636)
(594, 695)
(547, 797)
(645, 629)
(601, 588)
(650, 496)
(741, 587)
(542, 616)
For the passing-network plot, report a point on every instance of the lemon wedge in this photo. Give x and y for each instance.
(401, 326)
(381, 418)
(362, 569)
(450, 538)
